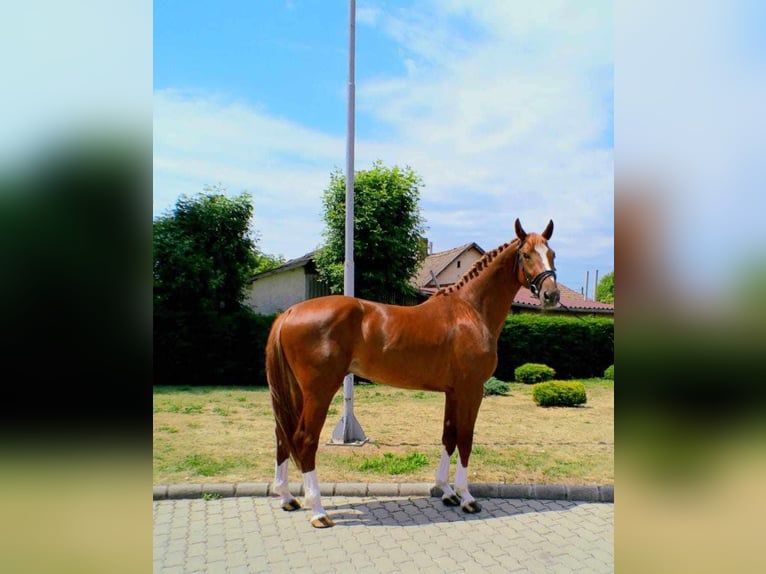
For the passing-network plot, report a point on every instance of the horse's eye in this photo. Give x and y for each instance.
(526, 256)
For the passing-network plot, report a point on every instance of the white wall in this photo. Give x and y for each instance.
(275, 293)
(452, 273)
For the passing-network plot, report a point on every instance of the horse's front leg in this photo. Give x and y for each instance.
(449, 496)
(449, 440)
(465, 426)
(467, 501)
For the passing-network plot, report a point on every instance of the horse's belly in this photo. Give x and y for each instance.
(413, 374)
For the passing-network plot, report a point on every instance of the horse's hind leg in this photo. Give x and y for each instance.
(289, 502)
(315, 406)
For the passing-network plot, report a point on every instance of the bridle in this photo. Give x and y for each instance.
(536, 283)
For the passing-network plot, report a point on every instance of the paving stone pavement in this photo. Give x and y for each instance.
(380, 534)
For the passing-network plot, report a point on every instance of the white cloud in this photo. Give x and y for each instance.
(367, 15)
(514, 114)
(203, 139)
(501, 107)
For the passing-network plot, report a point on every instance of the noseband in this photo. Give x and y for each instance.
(536, 283)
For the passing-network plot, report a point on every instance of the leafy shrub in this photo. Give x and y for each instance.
(609, 372)
(495, 386)
(559, 394)
(533, 373)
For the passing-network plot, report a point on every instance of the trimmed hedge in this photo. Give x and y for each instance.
(574, 348)
(531, 373)
(212, 349)
(230, 349)
(559, 393)
(609, 372)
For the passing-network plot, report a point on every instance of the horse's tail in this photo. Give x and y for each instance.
(286, 394)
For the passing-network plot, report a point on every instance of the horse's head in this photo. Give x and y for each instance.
(535, 265)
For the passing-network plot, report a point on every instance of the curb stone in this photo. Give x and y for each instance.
(252, 489)
(514, 491)
(550, 492)
(184, 491)
(604, 493)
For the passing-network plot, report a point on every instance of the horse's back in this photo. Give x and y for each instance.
(322, 313)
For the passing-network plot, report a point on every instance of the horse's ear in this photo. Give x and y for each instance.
(520, 233)
(548, 230)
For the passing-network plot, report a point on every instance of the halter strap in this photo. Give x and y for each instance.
(536, 283)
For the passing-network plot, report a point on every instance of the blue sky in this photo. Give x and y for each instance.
(504, 108)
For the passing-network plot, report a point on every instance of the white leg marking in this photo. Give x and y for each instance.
(313, 498)
(461, 483)
(442, 475)
(280, 483)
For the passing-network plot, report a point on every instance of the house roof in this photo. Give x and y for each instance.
(572, 299)
(438, 262)
(296, 263)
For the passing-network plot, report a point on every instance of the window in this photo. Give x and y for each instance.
(458, 264)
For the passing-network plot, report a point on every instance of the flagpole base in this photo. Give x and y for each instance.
(348, 432)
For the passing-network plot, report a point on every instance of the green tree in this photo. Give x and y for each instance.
(605, 288)
(388, 231)
(264, 262)
(204, 253)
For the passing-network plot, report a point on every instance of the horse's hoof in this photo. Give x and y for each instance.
(472, 507)
(453, 500)
(322, 521)
(291, 505)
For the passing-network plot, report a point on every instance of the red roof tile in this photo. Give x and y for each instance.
(572, 300)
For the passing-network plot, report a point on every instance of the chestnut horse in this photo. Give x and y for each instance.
(446, 344)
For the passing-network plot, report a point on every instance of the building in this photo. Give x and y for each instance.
(275, 290)
(297, 280)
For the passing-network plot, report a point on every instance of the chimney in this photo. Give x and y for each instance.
(595, 285)
(587, 278)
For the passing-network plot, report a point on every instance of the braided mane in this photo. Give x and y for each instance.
(476, 269)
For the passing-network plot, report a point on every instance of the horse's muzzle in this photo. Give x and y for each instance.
(544, 287)
(551, 297)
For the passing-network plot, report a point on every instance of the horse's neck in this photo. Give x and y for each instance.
(491, 292)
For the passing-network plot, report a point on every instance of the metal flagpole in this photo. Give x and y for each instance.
(348, 431)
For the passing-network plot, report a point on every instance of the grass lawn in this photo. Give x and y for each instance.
(226, 434)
